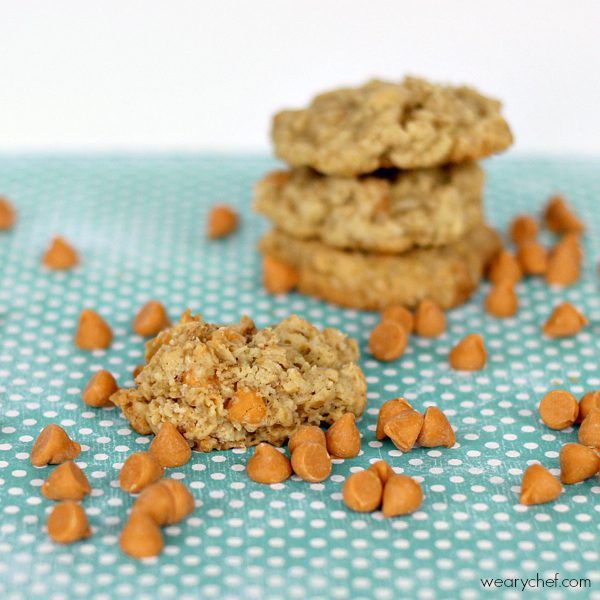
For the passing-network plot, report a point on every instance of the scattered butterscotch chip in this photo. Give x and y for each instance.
(151, 319)
(53, 446)
(564, 321)
(502, 300)
(222, 220)
(66, 482)
(559, 409)
(93, 332)
(138, 369)
(343, 437)
(469, 354)
(429, 319)
(564, 262)
(401, 315)
(101, 386)
(524, 228)
(362, 491)
(167, 501)
(578, 463)
(170, 447)
(247, 408)
(67, 523)
(389, 410)
(279, 277)
(382, 469)
(268, 465)
(8, 214)
(436, 430)
(588, 402)
(141, 537)
(388, 341)
(139, 471)
(311, 462)
(402, 495)
(533, 258)
(60, 255)
(306, 433)
(404, 429)
(504, 267)
(560, 218)
(539, 486)
(589, 432)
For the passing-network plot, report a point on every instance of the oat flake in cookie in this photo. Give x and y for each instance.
(409, 125)
(236, 385)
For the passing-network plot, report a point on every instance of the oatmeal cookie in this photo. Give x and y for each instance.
(448, 275)
(235, 386)
(391, 211)
(409, 125)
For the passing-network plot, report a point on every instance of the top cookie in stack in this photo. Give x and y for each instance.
(383, 203)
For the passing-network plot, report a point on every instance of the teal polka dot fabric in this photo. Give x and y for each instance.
(138, 223)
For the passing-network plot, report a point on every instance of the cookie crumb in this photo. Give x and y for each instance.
(60, 255)
(268, 465)
(222, 220)
(469, 354)
(93, 332)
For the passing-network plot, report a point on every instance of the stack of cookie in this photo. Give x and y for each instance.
(382, 204)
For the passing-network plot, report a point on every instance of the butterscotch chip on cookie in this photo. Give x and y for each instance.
(388, 211)
(236, 385)
(411, 124)
(448, 275)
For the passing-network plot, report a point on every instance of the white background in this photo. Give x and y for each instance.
(193, 74)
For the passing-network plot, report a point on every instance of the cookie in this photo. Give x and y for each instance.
(409, 125)
(236, 386)
(391, 211)
(448, 275)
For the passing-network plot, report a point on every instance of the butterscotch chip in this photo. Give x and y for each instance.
(469, 354)
(268, 465)
(588, 402)
(429, 319)
(306, 433)
(388, 341)
(311, 462)
(402, 495)
(539, 486)
(141, 537)
(222, 220)
(502, 300)
(279, 277)
(578, 463)
(388, 411)
(399, 314)
(151, 319)
(436, 430)
(139, 471)
(53, 446)
(564, 262)
(138, 369)
(382, 469)
(404, 429)
(66, 482)
(559, 409)
(67, 523)
(170, 447)
(589, 432)
(247, 408)
(343, 437)
(60, 255)
(560, 218)
(362, 491)
(533, 258)
(564, 321)
(504, 267)
(93, 332)
(101, 386)
(157, 502)
(523, 228)
(8, 215)
(183, 501)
